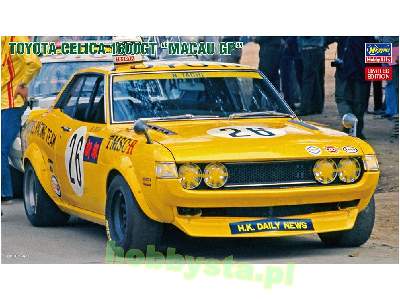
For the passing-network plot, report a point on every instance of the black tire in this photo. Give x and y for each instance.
(127, 226)
(40, 209)
(356, 236)
(17, 179)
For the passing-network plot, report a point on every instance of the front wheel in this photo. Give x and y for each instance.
(126, 224)
(356, 236)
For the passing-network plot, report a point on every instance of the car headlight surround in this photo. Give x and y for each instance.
(190, 176)
(325, 171)
(370, 162)
(215, 175)
(349, 170)
(166, 170)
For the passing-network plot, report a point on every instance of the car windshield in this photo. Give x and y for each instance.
(54, 75)
(203, 97)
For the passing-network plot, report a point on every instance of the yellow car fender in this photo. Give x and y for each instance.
(125, 167)
(38, 162)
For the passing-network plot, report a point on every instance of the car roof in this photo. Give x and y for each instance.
(166, 65)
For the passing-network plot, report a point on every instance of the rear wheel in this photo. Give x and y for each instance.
(356, 236)
(39, 208)
(127, 225)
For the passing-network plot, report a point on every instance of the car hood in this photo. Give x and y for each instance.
(251, 140)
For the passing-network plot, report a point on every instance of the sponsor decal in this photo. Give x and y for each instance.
(146, 181)
(378, 53)
(51, 165)
(55, 185)
(246, 132)
(92, 149)
(271, 225)
(41, 130)
(378, 73)
(350, 149)
(313, 150)
(74, 160)
(331, 149)
(95, 129)
(121, 144)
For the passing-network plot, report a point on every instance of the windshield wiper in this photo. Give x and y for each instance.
(181, 117)
(269, 113)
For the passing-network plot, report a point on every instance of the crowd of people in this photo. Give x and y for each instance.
(296, 67)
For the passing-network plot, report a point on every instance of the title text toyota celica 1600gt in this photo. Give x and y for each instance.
(211, 148)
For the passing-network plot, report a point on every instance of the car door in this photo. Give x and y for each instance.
(76, 106)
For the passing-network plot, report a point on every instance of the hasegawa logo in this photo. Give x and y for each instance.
(378, 53)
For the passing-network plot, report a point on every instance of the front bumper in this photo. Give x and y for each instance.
(219, 227)
(171, 195)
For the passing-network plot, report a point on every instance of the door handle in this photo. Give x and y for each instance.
(65, 128)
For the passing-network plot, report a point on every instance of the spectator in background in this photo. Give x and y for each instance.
(340, 82)
(271, 48)
(312, 51)
(357, 89)
(289, 82)
(377, 92)
(378, 98)
(392, 86)
(16, 73)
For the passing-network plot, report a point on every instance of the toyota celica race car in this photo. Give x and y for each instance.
(211, 148)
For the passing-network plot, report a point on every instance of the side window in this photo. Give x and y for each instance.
(70, 100)
(96, 111)
(84, 98)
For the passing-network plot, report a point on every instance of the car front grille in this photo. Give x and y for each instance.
(270, 174)
(267, 211)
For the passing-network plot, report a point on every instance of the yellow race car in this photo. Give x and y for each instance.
(211, 148)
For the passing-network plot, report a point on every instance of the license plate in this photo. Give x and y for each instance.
(271, 225)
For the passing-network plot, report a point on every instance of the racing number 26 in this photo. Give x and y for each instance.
(74, 161)
(248, 132)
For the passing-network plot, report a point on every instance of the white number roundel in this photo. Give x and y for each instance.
(74, 160)
(246, 132)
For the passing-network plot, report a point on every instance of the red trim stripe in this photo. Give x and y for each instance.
(11, 71)
(10, 83)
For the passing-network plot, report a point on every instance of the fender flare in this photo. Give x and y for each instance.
(35, 157)
(127, 172)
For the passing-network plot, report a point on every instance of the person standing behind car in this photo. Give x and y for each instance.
(289, 81)
(340, 82)
(312, 52)
(16, 73)
(271, 48)
(357, 89)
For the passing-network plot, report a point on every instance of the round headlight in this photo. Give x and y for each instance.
(349, 170)
(325, 171)
(190, 176)
(215, 175)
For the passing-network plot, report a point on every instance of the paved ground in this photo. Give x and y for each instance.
(83, 242)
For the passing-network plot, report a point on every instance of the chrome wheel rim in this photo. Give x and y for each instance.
(30, 192)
